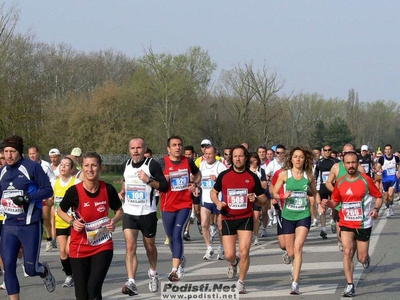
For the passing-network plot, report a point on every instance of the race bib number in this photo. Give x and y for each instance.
(136, 194)
(391, 171)
(179, 180)
(8, 205)
(325, 176)
(237, 198)
(352, 211)
(297, 201)
(366, 167)
(207, 183)
(96, 232)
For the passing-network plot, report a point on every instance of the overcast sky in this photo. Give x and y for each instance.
(325, 47)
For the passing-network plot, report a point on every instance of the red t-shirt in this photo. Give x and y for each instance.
(281, 190)
(235, 188)
(178, 196)
(356, 197)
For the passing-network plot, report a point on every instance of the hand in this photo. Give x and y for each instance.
(251, 197)
(143, 176)
(221, 205)
(78, 225)
(374, 213)
(321, 209)
(111, 225)
(20, 200)
(287, 194)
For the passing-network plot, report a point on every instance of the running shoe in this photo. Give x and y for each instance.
(323, 234)
(186, 236)
(240, 287)
(166, 242)
(388, 213)
(48, 279)
(274, 220)
(367, 263)
(286, 259)
(255, 243)
(199, 228)
(23, 269)
(1, 272)
(130, 288)
(295, 289)
(209, 254)
(3, 286)
(54, 243)
(153, 284)
(69, 282)
(181, 268)
(221, 254)
(263, 232)
(173, 277)
(391, 210)
(349, 291)
(49, 246)
(314, 223)
(232, 269)
(269, 224)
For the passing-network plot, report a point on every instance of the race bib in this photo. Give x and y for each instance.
(179, 180)
(8, 205)
(136, 194)
(352, 211)
(391, 171)
(297, 201)
(207, 183)
(96, 232)
(237, 198)
(325, 176)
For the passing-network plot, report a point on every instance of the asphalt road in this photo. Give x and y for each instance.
(322, 274)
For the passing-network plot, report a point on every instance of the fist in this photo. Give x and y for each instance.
(20, 200)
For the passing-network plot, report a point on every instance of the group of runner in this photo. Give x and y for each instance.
(230, 195)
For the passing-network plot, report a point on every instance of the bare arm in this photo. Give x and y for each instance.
(332, 177)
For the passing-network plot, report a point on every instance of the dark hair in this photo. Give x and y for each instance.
(149, 151)
(246, 153)
(174, 137)
(280, 146)
(255, 155)
(36, 148)
(70, 159)
(308, 162)
(262, 147)
(189, 148)
(93, 154)
(388, 145)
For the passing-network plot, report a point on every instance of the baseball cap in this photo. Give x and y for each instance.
(364, 147)
(205, 142)
(76, 152)
(273, 148)
(54, 151)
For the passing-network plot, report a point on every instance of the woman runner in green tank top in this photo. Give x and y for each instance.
(298, 180)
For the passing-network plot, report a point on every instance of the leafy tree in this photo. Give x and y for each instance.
(338, 134)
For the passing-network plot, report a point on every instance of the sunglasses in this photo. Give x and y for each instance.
(204, 145)
(280, 152)
(226, 154)
(328, 149)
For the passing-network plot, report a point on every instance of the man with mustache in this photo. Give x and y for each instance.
(355, 191)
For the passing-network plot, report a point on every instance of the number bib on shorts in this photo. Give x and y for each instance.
(325, 176)
(297, 201)
(352, 211)
(237, 198)
(136, 194)
(96, 231)
(179, 180)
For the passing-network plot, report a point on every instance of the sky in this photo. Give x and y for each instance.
(315, 46)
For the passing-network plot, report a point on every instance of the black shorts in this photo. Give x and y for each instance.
(147, 224)
(63, 231)
(324, 193)
(289, 227)
(197, 199)
(256, 207)
(231, 227)
(362, 235)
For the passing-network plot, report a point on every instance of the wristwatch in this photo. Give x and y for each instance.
(151, 179)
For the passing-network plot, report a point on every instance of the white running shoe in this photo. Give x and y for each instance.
(255, 241)
(295, 288)
(314, 223)
(263, 232)
(269, 224)
(221, 254)
(209, 254)
(49, 246)
(153, 284)
(69, 281)
(240, 287)
(23, 269)
(391, 210)
(3, 286)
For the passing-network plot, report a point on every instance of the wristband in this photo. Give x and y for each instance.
(377, 209)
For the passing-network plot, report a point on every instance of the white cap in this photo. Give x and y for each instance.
(76, 152)
(54, 151)
(364, 147)
(205, 142)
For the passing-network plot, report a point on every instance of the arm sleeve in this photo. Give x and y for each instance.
(70, 199)
(193, 168)
(113, 197)
(157, 173)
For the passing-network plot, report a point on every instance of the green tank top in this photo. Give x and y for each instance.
(296, 206)
(342, 172)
